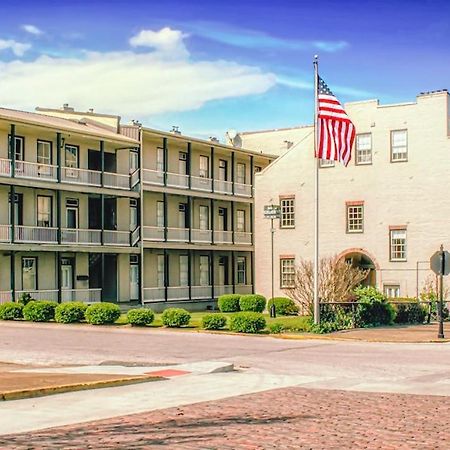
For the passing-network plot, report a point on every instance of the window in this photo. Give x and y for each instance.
(326, 163)
(71, 156)
(241, 270)
(44, 211)
(399, 145)
(182, 216)
(355, 218)
(72, 213)
(20, 147)
(364, 148)
(134, 277)
(287, 272)
(182, 163)
(398, 244)
(204, 167)
(204, 218)
(160, 159)
(134, 218)
(223, 225)
(160, 214)
(287, 212)
(204, 270)
(240, 222)
(29, 271)
(44, 152)
(223, 170)
(160, 271)
(240, 173)
(134, 161)
(392, 290)
(184, 270)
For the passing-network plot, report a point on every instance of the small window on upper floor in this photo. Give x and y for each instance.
(355, 217)
(363, 149)
(398, 244)
(287, 212)
(399, 145)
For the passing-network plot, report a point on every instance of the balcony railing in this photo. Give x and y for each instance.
(201, 184)
(45, 235)
(80, 236)
(154, 294)
(35, 171)
(223, 187)
(135, 236)
(201, 236)
(81, 295)
(5, 296)
(5, 167)
(113, 237)
(242, 238)
(243, 289)
(178, 293)
(153, 234)
(49, 294)
(221, 290)
(201, 292)
(5, 233)
(153, 177)
(74, 175)
(178, 234)
(116, 180)
(177, 180)
(244, 190)
(223, 237)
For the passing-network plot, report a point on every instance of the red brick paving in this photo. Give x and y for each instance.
(291, 418)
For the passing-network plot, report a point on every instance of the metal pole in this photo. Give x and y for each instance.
(316, 201)
(272, 232)
(440, 304)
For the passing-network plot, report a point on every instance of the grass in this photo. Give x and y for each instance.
(289, 323)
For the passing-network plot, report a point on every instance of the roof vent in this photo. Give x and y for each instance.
(91, 110)
(136, 123)
(66, 107)
(437, 91)
(213, 139)
(175, 130)
(289, 144)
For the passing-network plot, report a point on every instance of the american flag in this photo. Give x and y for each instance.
(335, 131)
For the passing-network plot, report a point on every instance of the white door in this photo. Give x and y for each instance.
(134, 282)
(67, 277)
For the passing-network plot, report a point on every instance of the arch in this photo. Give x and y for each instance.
(361, 258)
(362, 251)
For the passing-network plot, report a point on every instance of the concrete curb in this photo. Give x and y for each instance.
(40, 392)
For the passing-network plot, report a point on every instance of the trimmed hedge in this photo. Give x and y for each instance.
(11, 311)
(70, 312)
(140, 316)
(284, 306)
(247, 322)
(39, 311)
(102, 313)
(229, 302)
(409, 313)
(175, 317)
(214, 321)
(252, 302)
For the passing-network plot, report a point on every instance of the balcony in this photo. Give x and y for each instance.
(153, 234)
(116, 180)
(177, 180)
(5, 296)
(223, 237)
(178, 293)
(81, 295)
(155, 177)
(35, 171)
(223, 187)
(201, 292)
(5, 233)
(41, 235)
(5, 167)
(222, 290)
(49, 294)
(201, 184)
(243, 190)
(201, 236)
(242, 238)
(154, 294)
(178, 234)
(113, 237)
(80, 236)
(243, 289)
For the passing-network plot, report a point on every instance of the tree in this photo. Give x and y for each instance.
(337, 279)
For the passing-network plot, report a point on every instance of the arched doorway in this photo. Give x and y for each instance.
(362, 259)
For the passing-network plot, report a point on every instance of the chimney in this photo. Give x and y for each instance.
(213, 139)
(175, 130)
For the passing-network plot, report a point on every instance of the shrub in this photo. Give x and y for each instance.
(333, 318)
(39, 311)
(140, 316)
(276, 328)
(247, 322)
(284, 306)
(175, 317)
(229, 302)
(102, 313)
(25, 298)
(373, 308)
(11, 311)
(214, 321)
(409, 313)
(252, 302)
(70, 312)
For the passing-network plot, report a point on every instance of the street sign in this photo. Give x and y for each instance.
(272, 211)
(438, 266)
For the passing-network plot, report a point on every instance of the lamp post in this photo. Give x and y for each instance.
(272, 212)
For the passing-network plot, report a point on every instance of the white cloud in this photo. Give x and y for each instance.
(137, 85)
(166, 41)
(32, 29)
(18, 48)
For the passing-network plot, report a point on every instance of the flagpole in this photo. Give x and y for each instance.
(316, 197)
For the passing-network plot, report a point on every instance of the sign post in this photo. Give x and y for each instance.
(272, 212)
(440, 265)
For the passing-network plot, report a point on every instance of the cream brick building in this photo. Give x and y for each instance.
(93, 210)
(387, 211)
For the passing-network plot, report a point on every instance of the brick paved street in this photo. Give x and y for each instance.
(290, 418)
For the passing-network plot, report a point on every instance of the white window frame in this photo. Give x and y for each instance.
(204, 270)
(159, 159)
(355, 218)
(240, 173)
(363, 149)
(240, 220)
(45, 159)
(33, 271)
(71, 162)
(182, 163)
(391, 290)
(241, 270)
(287, 206)
(399, 152)
(203, 217)
(44, 218)
(203, 171)
(398, 244)
(287, 273)
(134, 161)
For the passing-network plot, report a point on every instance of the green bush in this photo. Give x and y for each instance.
(284, 306)
(333, 318)
(140, 316)
(39, 311)
(409, 313)
(373, 308)
(247, 322)
(229, 302)
(70, 312)
(252, 302)
(276, 328)
(102, 313)
(175, 317)
(11, 311)
(214, 321)
(25, 298)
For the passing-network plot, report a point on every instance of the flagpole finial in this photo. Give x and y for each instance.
(316, 58)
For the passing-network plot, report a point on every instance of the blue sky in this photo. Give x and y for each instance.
(208, 66)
